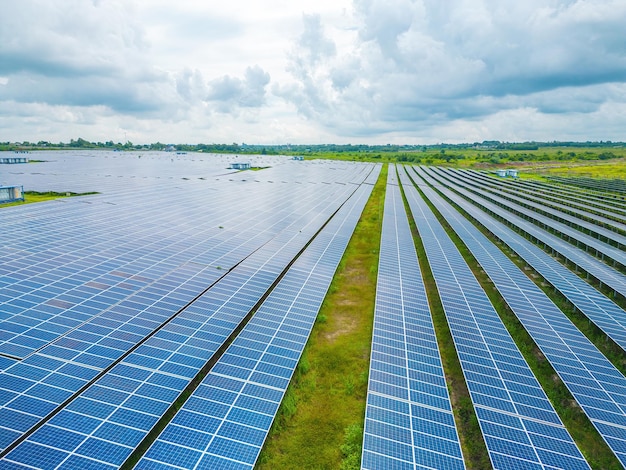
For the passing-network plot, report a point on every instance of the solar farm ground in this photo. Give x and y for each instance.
(316, 314)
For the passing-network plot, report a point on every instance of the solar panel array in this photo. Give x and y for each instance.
(519, 424)
(605, 219)
(112, 304)
(226, 420)
(583, 221)
(595, 383)
(408, 419)
(617, 186)
(607, 315)
(105, 326)
(604, 206)
(589, 264)
(52, 284)
(172, 357)
(568, 233)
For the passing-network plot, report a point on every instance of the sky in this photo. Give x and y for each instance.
(312, 71)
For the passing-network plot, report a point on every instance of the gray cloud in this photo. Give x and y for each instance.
(80, 53)
(401, 69)
(230, 93)
(424, 62)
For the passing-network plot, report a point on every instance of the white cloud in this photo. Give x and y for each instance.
(335, 71)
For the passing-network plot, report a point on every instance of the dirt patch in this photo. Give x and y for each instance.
(343, 325)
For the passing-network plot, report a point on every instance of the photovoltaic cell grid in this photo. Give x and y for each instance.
(48, 378)
(557, 208)
(519, 424)
(584, 222)
(607, 315)
(605, 274)
(91, 283)
(124, 172)
(129, 399)
(573, 236)
(607, 206)
(604, 201)
(408, 418)
(226, 420)
(82, 269)
(595, 383)
(550, 195)
(89, 349)
(614, 185)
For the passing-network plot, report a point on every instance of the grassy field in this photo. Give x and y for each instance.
(600, 169)
(534, 164)
(319, 424)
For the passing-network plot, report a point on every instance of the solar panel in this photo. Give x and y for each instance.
(559, 208)
(605, 274)
(226, 420)
(580, 220)
(129, 399)
(32, 388)
(570, 234)
(408, 418)
(519, 424)
(44, 313)
(594, 382)
(608, 316)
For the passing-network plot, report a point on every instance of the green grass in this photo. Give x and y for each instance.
(34, 196)
(319, 423)
(612, 169)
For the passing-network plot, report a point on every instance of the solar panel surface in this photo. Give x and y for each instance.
(595, 383)
(519, 424)
(607, 315)
(408, 418)
(226, 420)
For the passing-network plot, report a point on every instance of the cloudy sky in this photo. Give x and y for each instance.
(312, 71)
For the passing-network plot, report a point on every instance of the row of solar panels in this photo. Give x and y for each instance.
(545, 235)
(599, 214)
(613, 185)
(94, 394)
(520, 426)
(89, 393)
(607, 243)
(607, 203)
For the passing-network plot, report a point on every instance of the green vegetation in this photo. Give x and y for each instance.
(319, 424)
(484, 154)
(34, 196)
(599, 169)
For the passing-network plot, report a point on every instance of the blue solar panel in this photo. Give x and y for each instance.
(44, 380)
(560, 207)
(593, 381)
(608, 316)
(408, 418)
(119, 387)
(241, 394)
(613, 251)
(486, 351)
(599, 270)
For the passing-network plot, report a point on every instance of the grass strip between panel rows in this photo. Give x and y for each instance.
(320, 420)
